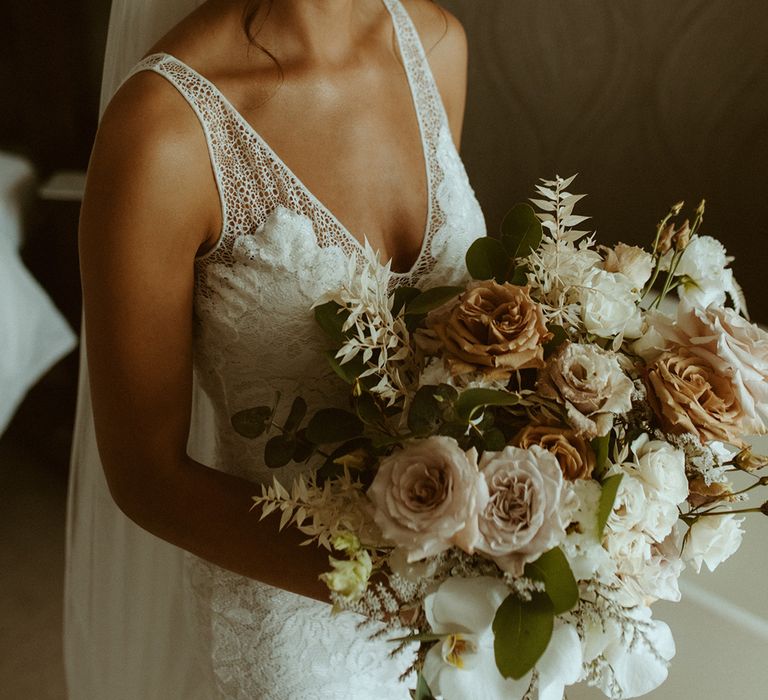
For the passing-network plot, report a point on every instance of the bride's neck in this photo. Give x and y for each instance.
(318, 30)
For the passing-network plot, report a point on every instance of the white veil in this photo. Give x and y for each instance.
(127, 632)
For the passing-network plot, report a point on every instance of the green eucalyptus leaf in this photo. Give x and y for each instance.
(522, 630)
(295, 415)
(332, 321)
(487, 259)
(304, 449)
(553, 570)
(368, 410)
(349, 371)
(472, 399)
(422, 691)
(431, 299)
(521, 231)
(279, 451)
(252, 422)
(610, 488)
(402, 296)
(333, 425)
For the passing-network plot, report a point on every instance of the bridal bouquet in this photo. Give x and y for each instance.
(530, 460)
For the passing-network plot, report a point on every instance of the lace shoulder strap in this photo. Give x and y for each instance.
(228, 161)
(429, 101)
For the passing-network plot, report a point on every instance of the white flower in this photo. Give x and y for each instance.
(637, 665)
(463, 665)
(524, 515)
(610, 305)
(661, 467)
(586, 555)
(634, 263)
(704, 263)
(349, 577)
(712, 539)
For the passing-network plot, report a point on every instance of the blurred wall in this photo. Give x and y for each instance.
(650, 101)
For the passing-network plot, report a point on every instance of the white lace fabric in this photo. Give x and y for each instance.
(280, 250)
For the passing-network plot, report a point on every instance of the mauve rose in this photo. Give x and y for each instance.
(591, 385)
(492, 328)
(525, 514)
(426, 497)
(688, 395)
(574, 454)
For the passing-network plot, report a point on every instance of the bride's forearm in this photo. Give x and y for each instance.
(208, 513)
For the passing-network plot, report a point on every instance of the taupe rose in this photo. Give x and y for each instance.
(524, 515)
(689, 395)
(492, 328)
(590, 384)
(426, 496)
(573, 453)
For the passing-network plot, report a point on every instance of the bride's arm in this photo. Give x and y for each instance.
(150, 204)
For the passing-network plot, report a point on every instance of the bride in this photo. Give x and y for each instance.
(242, 163)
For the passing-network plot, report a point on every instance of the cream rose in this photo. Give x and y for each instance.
(425, 497)
(492, 328)
(609, 303)
(574, 454)
(524, 515)
(661, 467)
(591, 385)
(733, 347)
(689, 395)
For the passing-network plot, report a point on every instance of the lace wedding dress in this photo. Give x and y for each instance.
(280, 250)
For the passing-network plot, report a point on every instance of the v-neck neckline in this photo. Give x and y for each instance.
(359, 245)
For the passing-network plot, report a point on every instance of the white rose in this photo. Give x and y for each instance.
(634, 263)
(630, 549)
(636, 666)
(661, 467)
(712, 539)
(610, 306)
(704, 263)
(630, 505)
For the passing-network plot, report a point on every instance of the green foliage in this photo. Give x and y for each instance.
(252, 422)
(422, 691)
(487, 259)
(522, 630)
(607, 499)
(402, 296)
(295, 415)
(431, 299)
(473, 399)
(279, 451)
(553, 570)
(330, 425)
(429, 408)
(331, 320)
(601, 446)
(521, 231)
(349, 371)
(559, 336)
